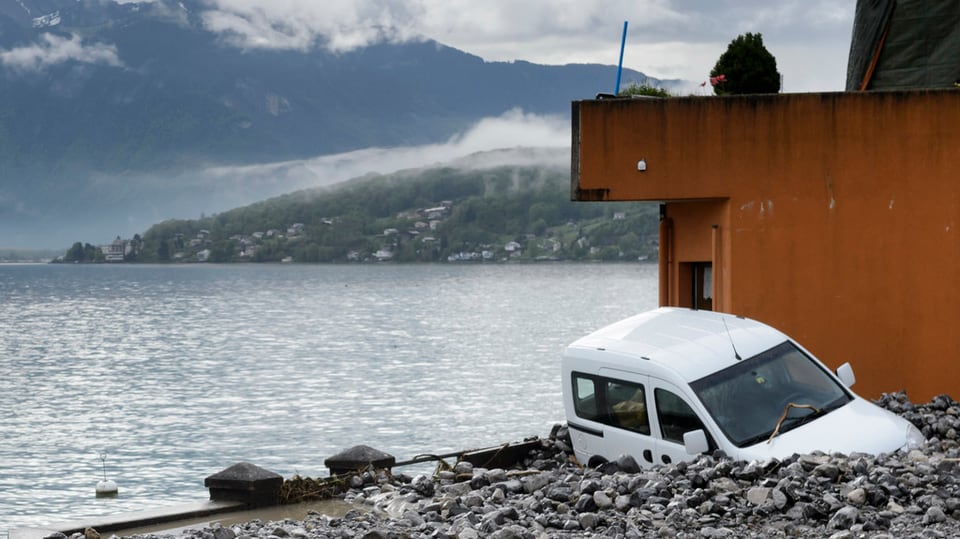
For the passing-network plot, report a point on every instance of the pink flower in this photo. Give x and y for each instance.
(717, 80)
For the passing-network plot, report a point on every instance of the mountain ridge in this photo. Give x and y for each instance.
(150, 96)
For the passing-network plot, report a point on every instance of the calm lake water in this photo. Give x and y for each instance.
(177, 372)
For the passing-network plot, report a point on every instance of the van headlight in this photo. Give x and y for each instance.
(914, 438)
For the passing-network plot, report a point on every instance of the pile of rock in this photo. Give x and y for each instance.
(907, 494)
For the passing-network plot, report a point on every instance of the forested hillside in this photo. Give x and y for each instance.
(425, 215)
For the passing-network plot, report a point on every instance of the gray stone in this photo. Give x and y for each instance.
(463, 467)
(844, 518)
(585, 504)
(725, 484)
(602, 500)
(513, 485)
(413, 518)
(589, 486)
(894, 507)
(809, 462)
(779, 498)
(588, 521)
(934, 515)
(758, 495)
(509, 532)
(457, 489)
(446, 475)
(473, 500)
(628, 464)
(496, 475)
(830, 471)
(533, 483)
(223, 533)
(857, 496)
(423, 485)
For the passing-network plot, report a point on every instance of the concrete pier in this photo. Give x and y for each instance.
(241, 486)
(247, 487)
(125, 521)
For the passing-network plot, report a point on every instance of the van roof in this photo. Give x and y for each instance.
(692, 343)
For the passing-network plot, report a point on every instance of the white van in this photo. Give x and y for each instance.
(669, 384)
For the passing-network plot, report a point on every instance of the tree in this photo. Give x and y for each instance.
(163, 251)
(75, 253)
(92, 254)
(747, 67)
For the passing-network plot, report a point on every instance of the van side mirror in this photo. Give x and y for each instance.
(845, 374)
(695, 442)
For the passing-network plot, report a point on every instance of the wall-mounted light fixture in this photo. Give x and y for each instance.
(642, 165)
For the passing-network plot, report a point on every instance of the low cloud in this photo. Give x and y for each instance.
(513, 138)
(54, 49)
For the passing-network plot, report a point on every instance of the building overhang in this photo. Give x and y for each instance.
(701, 148)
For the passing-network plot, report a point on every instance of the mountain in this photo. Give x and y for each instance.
(108, 111)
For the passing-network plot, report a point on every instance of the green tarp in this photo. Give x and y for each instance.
(921, 48)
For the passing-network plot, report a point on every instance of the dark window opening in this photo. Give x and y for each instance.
(702, 285)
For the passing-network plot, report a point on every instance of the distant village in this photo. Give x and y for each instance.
(420, 234)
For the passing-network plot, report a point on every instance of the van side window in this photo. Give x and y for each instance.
(613, 402)
(585, 397)
(627, 406)
(676, 417)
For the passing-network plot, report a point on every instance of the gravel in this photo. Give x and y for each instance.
(902, 495)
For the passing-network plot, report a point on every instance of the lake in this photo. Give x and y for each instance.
(173, 373)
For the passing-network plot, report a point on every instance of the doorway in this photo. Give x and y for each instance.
(696, 285)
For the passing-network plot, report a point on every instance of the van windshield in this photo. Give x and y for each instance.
(748, 399)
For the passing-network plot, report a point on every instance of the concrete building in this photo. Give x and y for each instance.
(834, 217)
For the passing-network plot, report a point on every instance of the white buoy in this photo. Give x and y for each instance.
(106, 488)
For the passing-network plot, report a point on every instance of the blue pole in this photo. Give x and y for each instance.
(623, 43)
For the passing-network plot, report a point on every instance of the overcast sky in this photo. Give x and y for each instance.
(666, 38)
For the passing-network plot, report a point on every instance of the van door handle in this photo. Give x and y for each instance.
(666, 459)
(648, 455)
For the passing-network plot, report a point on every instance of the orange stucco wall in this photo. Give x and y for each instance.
(834, 217)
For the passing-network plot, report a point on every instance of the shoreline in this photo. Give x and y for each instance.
(902, 494)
